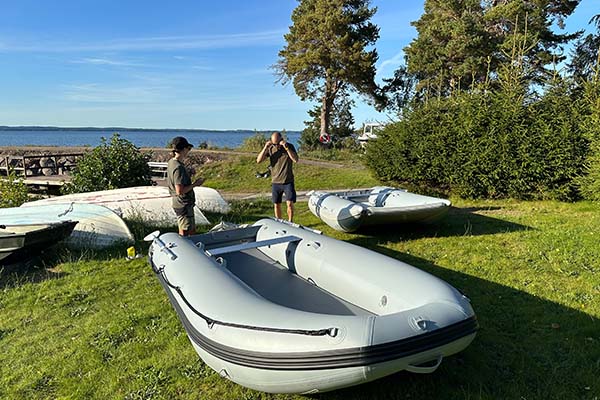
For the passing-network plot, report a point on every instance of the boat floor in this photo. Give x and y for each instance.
(277, 284)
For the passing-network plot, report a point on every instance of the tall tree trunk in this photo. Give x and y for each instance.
(325, 113)
(331, 89)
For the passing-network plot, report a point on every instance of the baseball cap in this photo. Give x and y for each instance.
(180, 143)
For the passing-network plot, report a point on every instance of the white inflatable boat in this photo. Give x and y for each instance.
(348, 211)
(282, 309)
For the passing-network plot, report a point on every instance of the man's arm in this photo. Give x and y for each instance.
(291, 151)
(263, 153)
(183, 189)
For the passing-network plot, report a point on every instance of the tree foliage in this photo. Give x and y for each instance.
(452, 45)
(328, 52)
(340, 127)
(113, 164)
(585, 56)
(589, 183)
(464, 42)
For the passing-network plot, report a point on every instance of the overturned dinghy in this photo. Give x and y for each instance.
(350, 210)
(20, 242)
(282, 309)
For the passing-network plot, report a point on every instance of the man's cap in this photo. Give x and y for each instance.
(179, 143)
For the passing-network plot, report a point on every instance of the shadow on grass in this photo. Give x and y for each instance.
(458, 222)
(527, 348)
(33, 270)
(44, 266)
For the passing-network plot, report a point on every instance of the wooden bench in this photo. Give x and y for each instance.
(158, 169)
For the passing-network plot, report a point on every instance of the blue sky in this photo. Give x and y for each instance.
(179, 64)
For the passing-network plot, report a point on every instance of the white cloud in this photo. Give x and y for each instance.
(394, 61)
(158, 43)
(98, 93)
(106, 61)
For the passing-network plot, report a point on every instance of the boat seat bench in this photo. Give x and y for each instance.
(252, 245)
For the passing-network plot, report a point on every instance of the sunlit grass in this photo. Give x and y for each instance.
(238, 174)
(97, 326)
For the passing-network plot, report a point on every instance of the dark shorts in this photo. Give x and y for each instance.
(279, 189)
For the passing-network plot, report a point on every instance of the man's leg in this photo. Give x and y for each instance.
(290, 199)
(276, 196)
(186, 222)
(290, 210)
(277, 208)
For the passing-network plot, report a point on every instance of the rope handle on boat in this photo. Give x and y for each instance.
(67, 210)
(211, 321)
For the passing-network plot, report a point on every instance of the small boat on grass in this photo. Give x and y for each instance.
(280, 308)
(21, 242)
(98, 227)
(150, 204)
(351, 210)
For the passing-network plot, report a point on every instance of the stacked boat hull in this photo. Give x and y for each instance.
(150, 204)
(98, 227)
(21, 242)
(282, 309)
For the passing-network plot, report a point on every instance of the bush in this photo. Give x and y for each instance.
(111, 165)
(487, 144)
(254, 143)
(13, 191)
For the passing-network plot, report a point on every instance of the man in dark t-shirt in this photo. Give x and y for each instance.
(181, 187)
(281, 156)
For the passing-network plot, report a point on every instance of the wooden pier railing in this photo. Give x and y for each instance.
(39, 165)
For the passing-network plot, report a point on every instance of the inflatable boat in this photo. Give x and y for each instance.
(282, 309)
(348, 211)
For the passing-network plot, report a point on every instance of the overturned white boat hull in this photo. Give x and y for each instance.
(282, 309)
(151, 204)
(350, 210)
(98, 227)
(20, 242)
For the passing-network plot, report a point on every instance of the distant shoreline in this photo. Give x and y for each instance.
(121, 129)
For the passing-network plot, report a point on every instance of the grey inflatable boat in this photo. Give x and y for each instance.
(350, 210)
(282, 309)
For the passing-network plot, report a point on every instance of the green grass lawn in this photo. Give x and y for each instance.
(238, 174)
(96, 326)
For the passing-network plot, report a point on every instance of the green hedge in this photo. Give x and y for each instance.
(488, 144)
(589, 183)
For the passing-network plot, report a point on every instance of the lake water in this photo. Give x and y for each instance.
(63, 138)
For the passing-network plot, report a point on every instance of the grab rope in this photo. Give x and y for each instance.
(211, 321)
(68, 210)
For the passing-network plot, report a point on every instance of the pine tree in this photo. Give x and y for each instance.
(461, 42)
(327, 52)
(452, 46)
(530, 24)
(586, 54)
